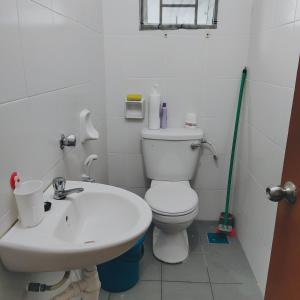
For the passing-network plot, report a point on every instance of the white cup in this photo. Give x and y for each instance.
(190, 120)
(30, 202)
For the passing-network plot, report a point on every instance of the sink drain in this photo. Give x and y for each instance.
(89, 242)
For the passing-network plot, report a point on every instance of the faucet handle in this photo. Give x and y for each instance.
(59, 184)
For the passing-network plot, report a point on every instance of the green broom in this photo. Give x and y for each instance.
(226, 221)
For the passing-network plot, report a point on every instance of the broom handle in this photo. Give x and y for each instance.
(234, 142)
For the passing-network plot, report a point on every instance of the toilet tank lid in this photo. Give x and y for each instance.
(173, 134)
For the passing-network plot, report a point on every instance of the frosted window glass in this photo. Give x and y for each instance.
(179, 1)
(206, 12)
(151, 12)
(156, 14)
(178, 16)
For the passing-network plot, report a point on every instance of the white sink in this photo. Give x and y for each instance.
(83, 230)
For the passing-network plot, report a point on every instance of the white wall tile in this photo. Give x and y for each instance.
(219, 132)
(296, 37)
(121, 17)
(285, 11)
(225, 56)
(297, 17)
(265, 158)
(183, 59)
(252, 245)
(126, 170)
(273, 56)
(220, 96)
(138, 191)
(55, 47)
(234, 17)
(273, 60)
(212, 174)
(117, 170)
(89, 14)
(135, 171)
(263, 15)
(270, 109)
(47, 3)
(12, 80)
(211, 204)
(124, 136)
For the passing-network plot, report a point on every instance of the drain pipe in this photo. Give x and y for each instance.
(40, 287)
(89, 286)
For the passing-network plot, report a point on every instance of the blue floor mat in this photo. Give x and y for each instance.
(217, 238)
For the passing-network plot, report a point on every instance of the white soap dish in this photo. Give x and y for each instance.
(87, 129)
(135, 109)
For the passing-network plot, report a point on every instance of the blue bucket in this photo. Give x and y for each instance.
(122, 273)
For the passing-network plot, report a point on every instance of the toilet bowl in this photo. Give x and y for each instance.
(171, 158)
(174, 207)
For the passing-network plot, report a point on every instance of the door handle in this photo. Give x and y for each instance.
(288, 193)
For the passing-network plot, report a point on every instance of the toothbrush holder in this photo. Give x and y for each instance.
(30, 202)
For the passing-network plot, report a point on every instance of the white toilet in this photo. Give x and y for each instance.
(170, 162)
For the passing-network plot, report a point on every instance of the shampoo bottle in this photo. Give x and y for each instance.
(164, 116)
(154, 108)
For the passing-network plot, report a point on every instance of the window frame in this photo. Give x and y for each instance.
(177, 26)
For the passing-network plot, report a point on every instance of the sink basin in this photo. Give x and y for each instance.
(85, 229)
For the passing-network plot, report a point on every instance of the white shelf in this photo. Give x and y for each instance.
(135, 109)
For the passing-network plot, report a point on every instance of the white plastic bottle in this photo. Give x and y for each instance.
(154, 108)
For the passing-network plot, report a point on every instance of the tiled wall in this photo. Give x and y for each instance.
(273, 60)
(52, 67)
(195, 74)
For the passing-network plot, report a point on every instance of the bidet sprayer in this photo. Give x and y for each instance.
(87, 168)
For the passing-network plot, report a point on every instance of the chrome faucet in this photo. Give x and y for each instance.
(59, 184)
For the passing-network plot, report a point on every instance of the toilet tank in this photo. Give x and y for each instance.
(168, 155)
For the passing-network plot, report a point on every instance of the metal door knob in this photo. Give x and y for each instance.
(277, 193)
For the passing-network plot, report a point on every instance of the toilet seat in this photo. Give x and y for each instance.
(172, 198)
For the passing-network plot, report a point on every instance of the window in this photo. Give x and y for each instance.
(176, 14)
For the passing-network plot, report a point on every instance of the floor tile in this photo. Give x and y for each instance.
(186, 291)
(191, 270)
(104, 295)
(150, 267)
(206, 226)
(194, 235)
(236, 291)
(144, 290)
(228, 265)
(232, 247)
(148, 239)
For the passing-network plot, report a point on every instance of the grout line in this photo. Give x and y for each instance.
(161, 283)
(22, 49)
(45, 93)
(210, 284)
(227, 283)
(275, 85)
(184, 281)
(259, 131)
(68, 17)
(150, 280)
(61, 88)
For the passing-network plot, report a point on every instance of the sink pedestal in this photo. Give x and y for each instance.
(88, 287)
